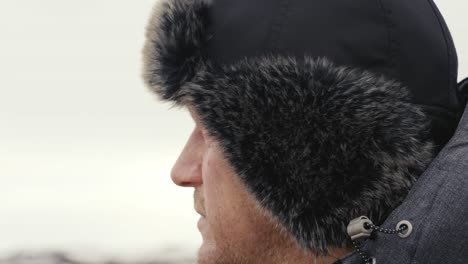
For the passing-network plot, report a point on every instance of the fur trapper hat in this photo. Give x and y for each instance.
(320, 126)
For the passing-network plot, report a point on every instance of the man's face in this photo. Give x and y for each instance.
(233, 228)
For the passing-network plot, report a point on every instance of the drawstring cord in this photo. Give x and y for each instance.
(362, 227)
(365, 258)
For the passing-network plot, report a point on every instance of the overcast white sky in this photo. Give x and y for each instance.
(85, 149)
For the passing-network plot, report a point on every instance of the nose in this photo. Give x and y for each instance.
(187, 172)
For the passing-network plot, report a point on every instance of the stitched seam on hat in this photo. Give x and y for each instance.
(277, 25)
(449, 68)
(390, 26)
(437, 107)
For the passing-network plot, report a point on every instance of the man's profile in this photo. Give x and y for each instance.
(230, 221)
(309, 116)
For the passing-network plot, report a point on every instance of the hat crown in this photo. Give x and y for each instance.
(405, 40)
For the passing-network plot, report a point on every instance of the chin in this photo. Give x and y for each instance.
(210, 253)
(207, 254)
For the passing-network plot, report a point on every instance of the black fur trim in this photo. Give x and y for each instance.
(316, 144)
(174, 37)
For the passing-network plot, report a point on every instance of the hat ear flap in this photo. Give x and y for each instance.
(175, 36)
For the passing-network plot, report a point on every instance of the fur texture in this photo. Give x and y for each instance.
(316, 144)
(174, 36)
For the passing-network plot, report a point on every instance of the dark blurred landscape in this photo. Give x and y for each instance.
(64, 258)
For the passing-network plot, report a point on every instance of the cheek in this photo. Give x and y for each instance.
(230, 212)
(217, 190)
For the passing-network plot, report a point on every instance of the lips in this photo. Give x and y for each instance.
(198, 202)
(199, 212)
(198, 205)
(200, 223)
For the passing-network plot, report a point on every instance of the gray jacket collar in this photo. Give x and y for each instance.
(437, 208)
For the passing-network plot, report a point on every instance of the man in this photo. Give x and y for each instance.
(313, 120)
